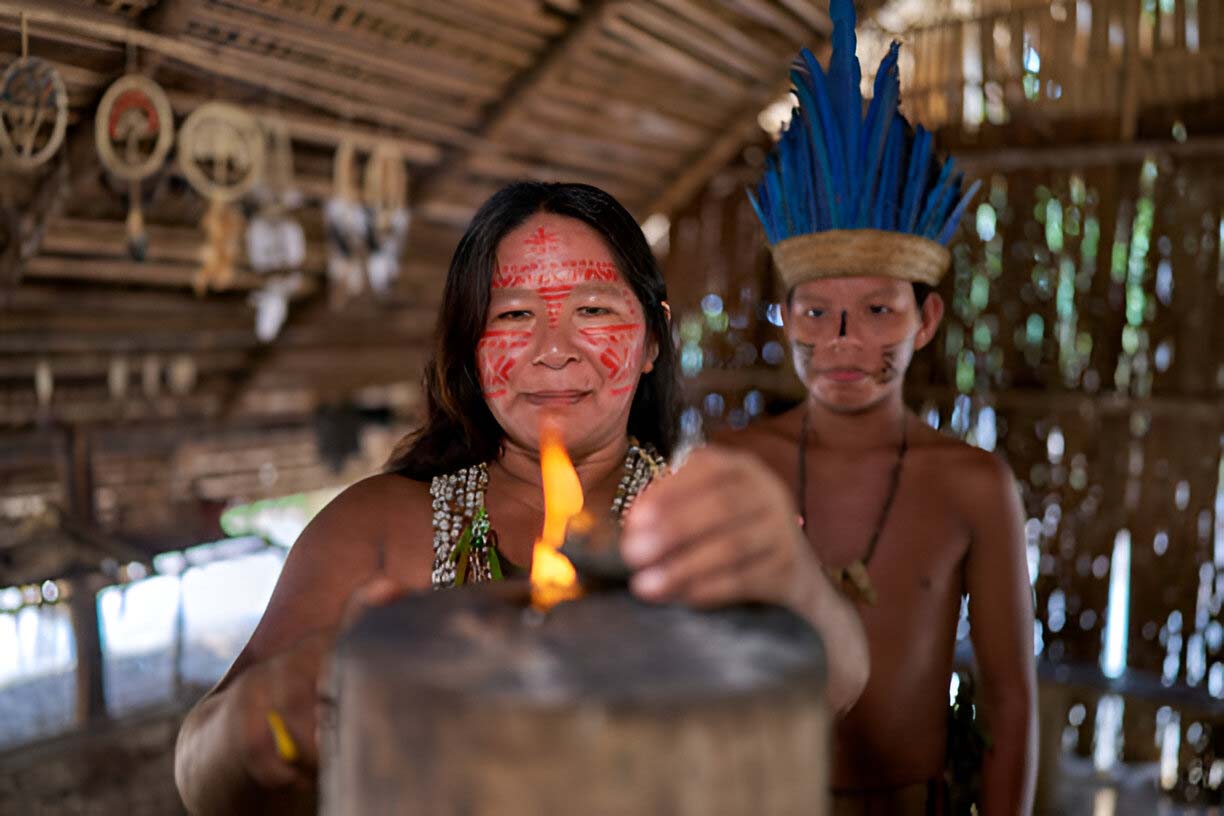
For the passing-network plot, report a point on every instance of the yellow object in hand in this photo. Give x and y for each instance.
(286, 748)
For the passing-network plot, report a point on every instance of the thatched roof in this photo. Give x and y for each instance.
(99, 351)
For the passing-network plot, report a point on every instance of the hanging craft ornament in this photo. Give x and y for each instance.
(134, 131)
(272, 305)
(386, 194)
(44, 383)
(348, 228)
(33, 110)
(276, 245)
(222, 226)
(274, 240)
(117, 377)
(221, 152)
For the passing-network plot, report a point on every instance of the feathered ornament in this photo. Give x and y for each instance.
(348, 225)
(386, 192)
(851, 194)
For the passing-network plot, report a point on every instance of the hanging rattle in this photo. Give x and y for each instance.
(386, 193)
(221, 151)
(134, 130)
(348, 227)
(33, 110)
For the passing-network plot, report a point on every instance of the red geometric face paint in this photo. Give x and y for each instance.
(554, 279)
(497, 353)
(561, 320)
(619, 348)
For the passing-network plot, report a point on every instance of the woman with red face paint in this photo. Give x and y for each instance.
(554, 309)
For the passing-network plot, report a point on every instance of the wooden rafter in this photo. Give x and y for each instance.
(500, 115)
(326, 130)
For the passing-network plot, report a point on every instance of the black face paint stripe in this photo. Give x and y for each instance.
(842, 331)
(889, 370)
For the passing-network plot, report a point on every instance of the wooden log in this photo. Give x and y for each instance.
(593, 74)
(665, 127)
(87, 365)
(769, 15)
(725, 30)
(469, 702)
(410, 79)
(82, 405)
(739, 129)
(394, 23)
(662, 55)
(812, 14)
(693, 40)
(326, 130)
(81, 236)
(169, 339)
(113, 270)
(453, 18)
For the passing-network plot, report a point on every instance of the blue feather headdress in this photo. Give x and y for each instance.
(846, 195)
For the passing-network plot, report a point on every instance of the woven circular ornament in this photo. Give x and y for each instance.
(221, 151)
(134, 127)
(860, 252)
(33, 113)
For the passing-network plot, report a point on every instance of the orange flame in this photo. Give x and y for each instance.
(552, 575)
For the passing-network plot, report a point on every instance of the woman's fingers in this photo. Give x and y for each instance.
(708, 496)
(720, 530)
(688, 567)
(285, 695)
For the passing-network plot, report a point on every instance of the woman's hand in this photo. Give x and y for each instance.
(279, 701)
(722, 529)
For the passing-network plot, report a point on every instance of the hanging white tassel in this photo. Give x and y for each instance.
(272, 305)
(44, 383)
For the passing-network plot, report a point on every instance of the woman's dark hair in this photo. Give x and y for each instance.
(459, 429)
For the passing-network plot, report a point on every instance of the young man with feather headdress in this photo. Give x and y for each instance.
(858, 213)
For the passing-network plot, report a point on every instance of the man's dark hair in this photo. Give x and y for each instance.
(459, 428)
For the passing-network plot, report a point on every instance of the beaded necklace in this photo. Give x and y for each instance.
(465, 544)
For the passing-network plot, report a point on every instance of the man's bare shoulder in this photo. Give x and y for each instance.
(958, 455)
(974, 479)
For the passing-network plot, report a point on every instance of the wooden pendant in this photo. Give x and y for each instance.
(855, 582)
(861, 581)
